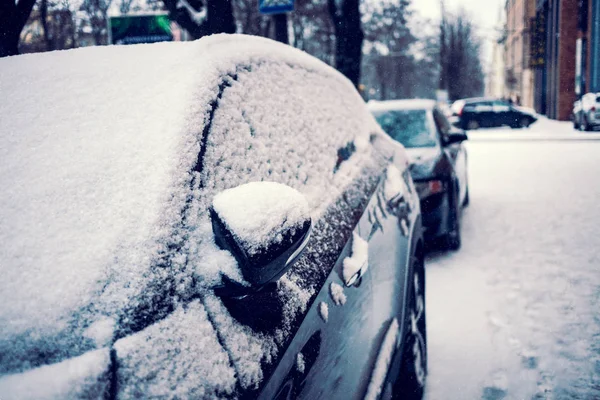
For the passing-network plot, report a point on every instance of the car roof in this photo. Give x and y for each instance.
(478, 99)
(99, 148)
(404, 104)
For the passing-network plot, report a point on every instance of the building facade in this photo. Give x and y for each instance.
(518, 71)
(555, 35)
(589, 26)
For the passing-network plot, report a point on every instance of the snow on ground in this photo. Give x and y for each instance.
(515, 314)
(543, 129)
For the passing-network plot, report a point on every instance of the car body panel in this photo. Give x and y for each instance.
(177, 338)
(368, 308)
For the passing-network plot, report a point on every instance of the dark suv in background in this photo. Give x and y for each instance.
(478, 113)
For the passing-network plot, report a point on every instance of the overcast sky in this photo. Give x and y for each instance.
(485, 15)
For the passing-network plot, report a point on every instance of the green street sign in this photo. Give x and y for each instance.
(132, 29)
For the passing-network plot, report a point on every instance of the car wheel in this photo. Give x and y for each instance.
(585, 125)
(524, 122)
(452, 239)
(472, 124)
(411, 382)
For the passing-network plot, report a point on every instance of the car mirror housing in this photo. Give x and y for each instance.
(265, 226)
(455, 137)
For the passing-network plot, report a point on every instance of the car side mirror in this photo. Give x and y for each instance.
(455, 137)
(265, 226)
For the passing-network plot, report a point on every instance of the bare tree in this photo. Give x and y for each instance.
(249, 20)
(96, 12)
(13, 17)
(349, 37)
(313, 29)
(460, 64)
(389, 64)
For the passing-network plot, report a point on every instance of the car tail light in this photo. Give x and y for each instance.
(428, 188)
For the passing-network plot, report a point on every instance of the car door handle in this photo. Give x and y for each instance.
(357, 275)
(397, 204)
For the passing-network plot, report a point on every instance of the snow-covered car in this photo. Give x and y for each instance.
(475, 113)
(438, 163)
(586, 112)
(221, 218)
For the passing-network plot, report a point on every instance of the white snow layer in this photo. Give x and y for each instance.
(179, 357)
(382, 364)
(359, 259)
(300, 363)
(258, 212)
(102, 210)
(337, 294)
(83, 377)
(324, 311)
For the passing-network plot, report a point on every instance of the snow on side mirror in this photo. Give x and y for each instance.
(265, 225)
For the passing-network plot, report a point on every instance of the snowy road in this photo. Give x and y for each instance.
(515, 314)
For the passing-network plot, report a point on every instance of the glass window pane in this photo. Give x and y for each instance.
(412, 128)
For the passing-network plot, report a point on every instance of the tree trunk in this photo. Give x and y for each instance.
(219, 18)
(281, 28)
(349, 38)
(13, 17)
(44, 21)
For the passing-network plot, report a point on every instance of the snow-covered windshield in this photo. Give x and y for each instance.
(412, 128)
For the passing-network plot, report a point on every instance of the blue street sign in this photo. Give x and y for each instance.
(275, 6)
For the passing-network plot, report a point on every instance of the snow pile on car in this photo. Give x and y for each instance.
(105, 226)
(274, 209)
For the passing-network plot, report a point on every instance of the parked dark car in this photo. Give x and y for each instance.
(477, 113)
(438, 163)
(221, 218)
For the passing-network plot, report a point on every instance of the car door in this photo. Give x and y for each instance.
(479, 111)
(503, 114)
(484, 112)
(315, 134)
(455, 152)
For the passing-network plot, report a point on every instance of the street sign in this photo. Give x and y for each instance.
(139, 28)
(275, 6)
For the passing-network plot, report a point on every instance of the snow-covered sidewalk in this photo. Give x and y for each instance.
(543, 129)
(515, 314)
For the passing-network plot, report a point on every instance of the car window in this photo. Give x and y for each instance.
(500, 106)
(480, 106)
(412, 128)
(296, 135)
